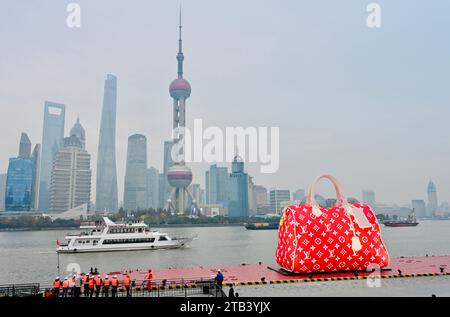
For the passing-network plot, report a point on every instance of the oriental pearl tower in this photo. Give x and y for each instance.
(179, 175)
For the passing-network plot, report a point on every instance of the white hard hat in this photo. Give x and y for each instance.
(106, 276)
(66, 278)
(57, 278)
(218, 270)
(115, 276)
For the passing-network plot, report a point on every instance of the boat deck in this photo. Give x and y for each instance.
(256, 274)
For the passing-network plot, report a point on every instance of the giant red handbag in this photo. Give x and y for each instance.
(345, 237)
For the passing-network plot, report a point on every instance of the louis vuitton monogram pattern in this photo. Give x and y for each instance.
(308, 242)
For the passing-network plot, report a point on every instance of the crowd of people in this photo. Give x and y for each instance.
(94, 284)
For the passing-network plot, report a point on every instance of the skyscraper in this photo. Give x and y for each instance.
(162, 180)
(135, 189)
(36, 159)
(24, 146)
(369, 198)
(238, 206)
(79, 132)
(52, 134)
(152, 188)
(299, 195)
(262, 203)
(277, 198)
(22, 178)
(432, 200)
(106, 184)
(252, 207)
(2, 191)
(217, 185)
(179, 175)
(19, 184)
(164, 187)
(70, 184)
(419, 208)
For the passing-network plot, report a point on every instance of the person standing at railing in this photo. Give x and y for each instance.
(115, 285)
(85, 280)
(78, 284)
(149, 278)
(65, 286)
(231, 292)
(91, 285)
(56, 286)
(72, 285)
(98, 285)
(106, 284)
(127, 284)
(219, 279)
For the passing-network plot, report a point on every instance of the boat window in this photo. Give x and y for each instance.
(128, 241)
(162, 238)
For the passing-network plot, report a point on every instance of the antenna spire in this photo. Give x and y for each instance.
(180, 56)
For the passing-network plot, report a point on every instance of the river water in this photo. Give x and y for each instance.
(30, 256)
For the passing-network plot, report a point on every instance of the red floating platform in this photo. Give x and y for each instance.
(256, 274)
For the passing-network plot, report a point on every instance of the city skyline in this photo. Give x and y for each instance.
(381, 157)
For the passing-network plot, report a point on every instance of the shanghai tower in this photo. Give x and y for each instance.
(106, 184)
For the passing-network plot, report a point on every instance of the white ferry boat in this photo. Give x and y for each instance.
(110, 236)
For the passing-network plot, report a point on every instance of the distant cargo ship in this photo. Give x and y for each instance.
(262, 226)
(410, 222)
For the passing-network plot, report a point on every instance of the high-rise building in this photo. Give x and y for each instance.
(252, 206)
(106, 183)
(369, 198)
(52, 134)
(19, 184)
(217, 185)
(179, 175)
(299, 195)
(135, 189)
(79, 132)
(432, 200)
(70, 184)
(2, 191)
(164, 188)
(24, 146)
(36, 159)
(162, 179)
(22, 179)
(277, 199)
(238, 206)
(262, 201)
(152, 188)
(419, 207)
(261, 195)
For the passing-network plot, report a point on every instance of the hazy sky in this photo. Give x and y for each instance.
(371, 106)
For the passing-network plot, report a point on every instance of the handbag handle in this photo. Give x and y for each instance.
(341, 200)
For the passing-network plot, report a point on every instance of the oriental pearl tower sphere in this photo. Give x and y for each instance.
(179, 176)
